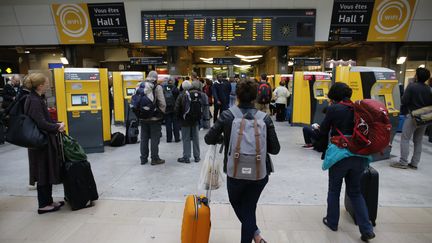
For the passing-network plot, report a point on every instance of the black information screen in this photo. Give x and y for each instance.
(228, 27)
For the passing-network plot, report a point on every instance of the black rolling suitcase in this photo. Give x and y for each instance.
(131, 129)
(369, 188)
(79, 185)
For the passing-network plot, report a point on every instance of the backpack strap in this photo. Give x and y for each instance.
(237, 148)
(235, 110)
(257, 148)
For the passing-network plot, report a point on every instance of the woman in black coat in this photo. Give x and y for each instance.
(244, 194)
(44, 162)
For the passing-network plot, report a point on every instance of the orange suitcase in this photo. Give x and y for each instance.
(196, 220)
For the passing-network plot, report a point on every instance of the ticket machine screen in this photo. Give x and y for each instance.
(320, 93)
(382, 99)
(130, 91)
(79, 99)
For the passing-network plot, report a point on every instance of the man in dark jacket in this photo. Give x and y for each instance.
(244, 194)
(189, 123)
(221, 94)
(417, 95)
(10, 91)
(171, 122)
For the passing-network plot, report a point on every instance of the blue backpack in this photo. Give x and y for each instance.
(141, 105)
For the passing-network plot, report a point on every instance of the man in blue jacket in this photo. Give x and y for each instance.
(221, 94)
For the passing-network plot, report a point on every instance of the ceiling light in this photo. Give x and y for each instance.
(248, 57)
(290, 63)
(250, 60)
(243, 66)
(401, 60)
(64, 60)
(422, 66)
(206, 59)
(217, 68)
(26, 52)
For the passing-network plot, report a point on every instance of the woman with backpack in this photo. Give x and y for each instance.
(246, 181)
(351, 168)
(44, 162)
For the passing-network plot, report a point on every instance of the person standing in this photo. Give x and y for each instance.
(349, 168)
(151, 128)
(44, 162)
(10, 91)
(171, 122)
(221, 95)
(233, 96)
(244, 194)
(417, 95)
(264, 95)
(190, 107)
(281, 95)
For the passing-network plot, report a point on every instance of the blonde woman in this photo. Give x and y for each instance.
(44, 162)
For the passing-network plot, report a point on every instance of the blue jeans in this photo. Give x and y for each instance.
(351, 169)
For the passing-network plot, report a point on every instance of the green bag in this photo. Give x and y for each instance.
(72, 150)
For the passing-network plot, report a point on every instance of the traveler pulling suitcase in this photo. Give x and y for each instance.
(196, 216)
(78, 181)
(369, 189)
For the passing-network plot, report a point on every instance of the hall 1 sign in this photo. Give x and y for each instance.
(350, 20)
(108, 22)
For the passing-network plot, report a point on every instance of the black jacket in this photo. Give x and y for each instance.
(175, 91)
(417, 95)
(180, 108)
(9, 93)
(337, 116)
(223, 125)
(221, 90)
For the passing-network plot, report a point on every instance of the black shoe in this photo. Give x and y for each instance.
(197, 160)
(328, 225)
(368, 236)
(177, 140)
(157, 161)
(143, 162)
(183, 160)
(169, 141)
(412, 167)
(40, 211)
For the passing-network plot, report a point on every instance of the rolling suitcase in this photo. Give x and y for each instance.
(131, 129)
(369, 188)
(196, 216)
(79, 185)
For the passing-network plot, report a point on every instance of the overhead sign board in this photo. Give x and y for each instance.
(228, 27)
(226, 61)
(108, 22)
(146, 60)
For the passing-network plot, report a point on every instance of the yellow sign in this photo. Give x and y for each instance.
(73, 23)
(391, 20)
(8, 70)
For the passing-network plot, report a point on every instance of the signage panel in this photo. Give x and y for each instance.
(108, 22)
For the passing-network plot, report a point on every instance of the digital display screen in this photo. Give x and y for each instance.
(79, 99)
(130, 91)
(381, 98)
(320, 93)
(279, 27)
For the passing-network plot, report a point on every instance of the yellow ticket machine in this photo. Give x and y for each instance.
(124, 86)
(373, 83)
(309, 97)
(83, 105)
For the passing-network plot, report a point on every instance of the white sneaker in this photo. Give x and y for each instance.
(32, 188)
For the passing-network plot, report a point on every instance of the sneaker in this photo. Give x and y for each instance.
(32, 187)
(411, 166)
(368, 236)
(399, 165)
(157, 161)
(326, 223)
(197, 160)
(183, 160)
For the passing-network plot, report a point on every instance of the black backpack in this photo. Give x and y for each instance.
(117, 139)
(195, 107)
(264, 93)
(169, 98)
(142, 106)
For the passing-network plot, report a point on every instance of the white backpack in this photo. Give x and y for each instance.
(248, 148)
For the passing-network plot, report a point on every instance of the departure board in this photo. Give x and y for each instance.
(229, 27)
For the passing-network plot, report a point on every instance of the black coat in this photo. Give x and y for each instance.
(224, 124)
(221, 90)
(9, 94)
(44, 162)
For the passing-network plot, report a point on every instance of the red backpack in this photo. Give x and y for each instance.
(372, 128)
(264, 93)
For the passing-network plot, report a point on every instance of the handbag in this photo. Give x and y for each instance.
(72, 150)
(23, 131)
(422, 116)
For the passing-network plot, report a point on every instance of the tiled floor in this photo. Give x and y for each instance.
(140, 221)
